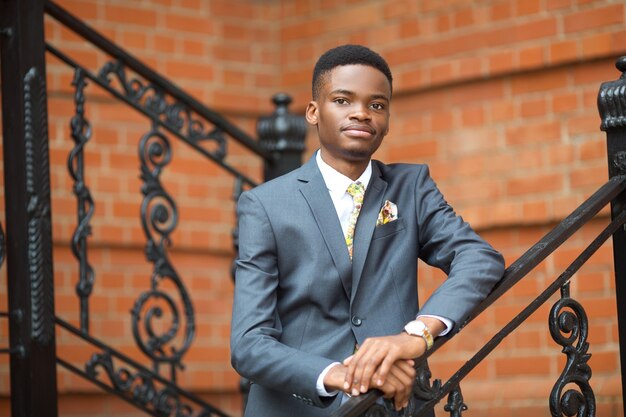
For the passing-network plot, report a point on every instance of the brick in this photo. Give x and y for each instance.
(531, 57)
(532, 108)
(193, 47)
(597, 45)
(501, 62)
(422, 149)
(592, 150)
(441, 73)
(564, 51)
(185, 69)
(558, 4)
(224, 8)
(473, 117)
(165, 44)
(588, 176)
(618, 40)
(565, 102)
(231, 53)
(595, 18)
(471, 67)
(517, 366)
(542, 81)
(535, 184)
(358, 16)
(501, 11)
(540, 132)
(463, 18)
(189, 24)
(527, 7)
(536, 29)
(583, 124)
(130, 15)
(400, 8)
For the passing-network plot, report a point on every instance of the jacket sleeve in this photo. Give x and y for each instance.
(256, 350)
(449, 243)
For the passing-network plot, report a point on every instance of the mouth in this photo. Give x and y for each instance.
(358, 130)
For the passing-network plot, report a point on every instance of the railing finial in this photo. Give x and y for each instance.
(283, 134)
(612, 100)
(620, 64)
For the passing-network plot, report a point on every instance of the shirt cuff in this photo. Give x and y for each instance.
(444, 320)
(321, 389)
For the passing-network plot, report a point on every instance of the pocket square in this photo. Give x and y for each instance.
(388, 213)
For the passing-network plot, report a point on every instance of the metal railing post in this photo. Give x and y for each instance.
(28, 222)
(282, 134)
(612, 108)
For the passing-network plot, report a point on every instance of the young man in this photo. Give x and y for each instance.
(326, 290)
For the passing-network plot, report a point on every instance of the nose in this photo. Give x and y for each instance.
(360, 112)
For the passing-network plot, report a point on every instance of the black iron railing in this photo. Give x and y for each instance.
(567, 321)
(172, 115)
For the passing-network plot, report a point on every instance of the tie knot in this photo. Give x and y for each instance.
(356, 189)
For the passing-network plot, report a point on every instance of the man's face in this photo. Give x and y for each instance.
(351, 113)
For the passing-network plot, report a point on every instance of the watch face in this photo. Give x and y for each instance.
(415, 328)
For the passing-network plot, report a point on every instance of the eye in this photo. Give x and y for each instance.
(378, 106)
(340, 100)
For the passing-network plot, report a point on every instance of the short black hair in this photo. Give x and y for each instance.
(347, 55)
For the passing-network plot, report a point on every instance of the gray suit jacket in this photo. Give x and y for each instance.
(301, 305)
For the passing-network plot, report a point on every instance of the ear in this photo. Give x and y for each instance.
(311, 113)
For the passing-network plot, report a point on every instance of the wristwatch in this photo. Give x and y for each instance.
(419, 328)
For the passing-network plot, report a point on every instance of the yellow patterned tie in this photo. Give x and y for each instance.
(357, 191)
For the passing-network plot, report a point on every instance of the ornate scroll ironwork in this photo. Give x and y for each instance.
(81, 133)
(175, 115)
(423, 390)
(455, 405)
(145, 390)
(38, 189)
(159, 217)
(568, 327)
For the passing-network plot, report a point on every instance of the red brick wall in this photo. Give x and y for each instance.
(498, 97)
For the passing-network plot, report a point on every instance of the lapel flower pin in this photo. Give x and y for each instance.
(388, 213)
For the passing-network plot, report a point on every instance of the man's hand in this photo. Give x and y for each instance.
(378, 354)
(334, 378)
(398, 384)
(374, 359)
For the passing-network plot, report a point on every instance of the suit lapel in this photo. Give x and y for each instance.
(366, 223)
(316, 194)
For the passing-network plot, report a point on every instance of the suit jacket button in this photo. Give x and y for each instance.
(356, 321)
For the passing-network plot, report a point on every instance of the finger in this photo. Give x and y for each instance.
(354, 374)
(369, 364)
(403, 393)
(405, 378)
(391, 387)
(386, 364)
(352, 363)
(406, 368)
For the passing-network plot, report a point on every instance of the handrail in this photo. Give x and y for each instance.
(85, 31)
(356, 406)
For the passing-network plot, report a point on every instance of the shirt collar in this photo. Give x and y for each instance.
(336, 182)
